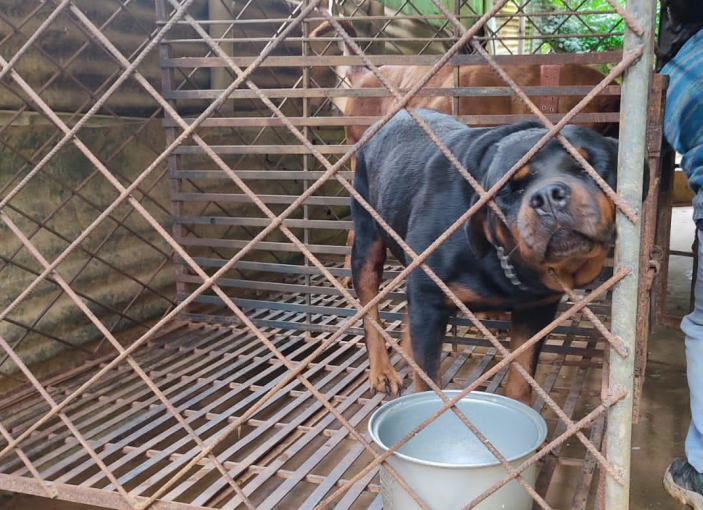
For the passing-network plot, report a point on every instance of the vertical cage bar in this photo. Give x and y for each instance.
(306, 161)
(167, 83)
(521, 30)
(457, 34)
(455, 111)
(631, 159)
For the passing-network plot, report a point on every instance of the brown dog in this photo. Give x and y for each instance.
(469, 76)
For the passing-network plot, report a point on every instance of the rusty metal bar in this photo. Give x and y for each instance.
(395, 39)
(48, 486)
(118, 347)
(126, 193)
(243, 318)
(368, 121)
(255, 469)
(69, 424)
(55, 13)
(397, 17)
(605, 57)
(236, 343)
(179, 12)
(96, 106)
(295, 367)
(247, 365)
(326, 92)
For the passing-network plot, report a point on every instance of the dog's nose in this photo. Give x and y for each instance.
(550, 198)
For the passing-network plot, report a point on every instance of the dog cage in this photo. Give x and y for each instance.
(183, 272)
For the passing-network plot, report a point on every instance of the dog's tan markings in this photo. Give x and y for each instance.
(606, 208)
(493, 316)
(405, 341)
(382, 375)
(470, 297)
(579, 199)
(486, 230)
(421, 385)
(500, 236)
(576, 271)
(346, 280)
(591, 268)
(517, 387)
(583, 151)
(522, 173)
(585, 268)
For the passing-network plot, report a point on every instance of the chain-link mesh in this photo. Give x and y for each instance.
(239, 379)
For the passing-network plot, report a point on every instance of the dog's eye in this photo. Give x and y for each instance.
(517, 186)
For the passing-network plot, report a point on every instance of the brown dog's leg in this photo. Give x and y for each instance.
(367, 268)
(524, 325)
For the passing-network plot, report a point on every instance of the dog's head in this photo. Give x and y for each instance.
(558, 218)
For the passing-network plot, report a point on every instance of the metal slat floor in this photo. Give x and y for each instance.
(292, 452)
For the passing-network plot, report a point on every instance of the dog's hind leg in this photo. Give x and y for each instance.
(523, 326)
(368, 257)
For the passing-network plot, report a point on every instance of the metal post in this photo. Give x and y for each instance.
(631, 158)
(306, 166)
(168, 84)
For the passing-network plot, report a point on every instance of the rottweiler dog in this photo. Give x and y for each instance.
(558, 219)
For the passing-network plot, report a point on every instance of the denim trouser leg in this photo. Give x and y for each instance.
(692, 326)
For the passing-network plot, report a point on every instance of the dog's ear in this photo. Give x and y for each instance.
(482, 151)
(478, 157)
(475, 230)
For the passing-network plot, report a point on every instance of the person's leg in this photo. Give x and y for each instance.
(683, 479)
(692, 326)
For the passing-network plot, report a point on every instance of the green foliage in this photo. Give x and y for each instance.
(581, 25)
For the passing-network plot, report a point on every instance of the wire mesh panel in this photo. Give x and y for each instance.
(231, 370)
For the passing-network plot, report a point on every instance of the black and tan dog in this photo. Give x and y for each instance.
(558, 220)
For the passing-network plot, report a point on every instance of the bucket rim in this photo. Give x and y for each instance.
(534, 416)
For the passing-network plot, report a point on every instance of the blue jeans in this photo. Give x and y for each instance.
(692, 326)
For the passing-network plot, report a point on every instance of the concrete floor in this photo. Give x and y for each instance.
(660, 434)
(657, 438)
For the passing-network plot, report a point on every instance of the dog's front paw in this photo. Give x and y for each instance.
(386, 380)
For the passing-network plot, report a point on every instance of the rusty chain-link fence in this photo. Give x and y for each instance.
(175, 186)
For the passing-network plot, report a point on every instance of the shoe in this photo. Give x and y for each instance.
(684, 484)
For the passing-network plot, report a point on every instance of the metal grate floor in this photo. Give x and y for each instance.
(292, 452)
